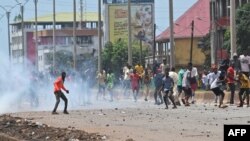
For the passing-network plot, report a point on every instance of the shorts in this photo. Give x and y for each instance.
(217, 91)
(188, 91)
(135, 88)
(179, 88)
(101, 87)
(194, 86)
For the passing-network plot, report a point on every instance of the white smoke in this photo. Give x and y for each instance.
(17, 88)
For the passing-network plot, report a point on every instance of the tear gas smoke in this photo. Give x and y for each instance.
(22, 89)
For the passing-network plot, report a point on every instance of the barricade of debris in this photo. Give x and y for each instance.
(23, 129)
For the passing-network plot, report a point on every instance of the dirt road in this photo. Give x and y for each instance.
(144, 121)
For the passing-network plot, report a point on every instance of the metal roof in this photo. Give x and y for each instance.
(200, 13)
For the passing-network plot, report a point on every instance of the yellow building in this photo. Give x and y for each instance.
(199, 13)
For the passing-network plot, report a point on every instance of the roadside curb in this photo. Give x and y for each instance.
(209, 96)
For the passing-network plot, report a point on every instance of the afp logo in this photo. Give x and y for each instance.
(236, 132)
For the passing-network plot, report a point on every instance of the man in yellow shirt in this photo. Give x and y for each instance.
(244, 88)
(140, 71)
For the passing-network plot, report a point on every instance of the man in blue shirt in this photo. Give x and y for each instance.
(167, 86)
(158, 84)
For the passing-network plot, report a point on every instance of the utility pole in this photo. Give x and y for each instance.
(154, 44)
(232, 28)
(99, 37)
(167, 52)
(192, 38)
(74, 35)
(140, 50)
(81, 9)
(54, 34)
(171, 23)
(8, 26)
(36, 46)
(130, 61)
(8, 23)
(213, 34)
(22, 28)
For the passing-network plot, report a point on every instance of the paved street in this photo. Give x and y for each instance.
(144, 121)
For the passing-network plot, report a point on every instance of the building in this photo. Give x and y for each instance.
(222, 21)
(86, 38)
(199, 13)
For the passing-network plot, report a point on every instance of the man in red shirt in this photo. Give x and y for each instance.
(230, 81)
(58, 85)
(135, 84)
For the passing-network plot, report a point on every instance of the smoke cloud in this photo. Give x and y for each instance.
(23, 89)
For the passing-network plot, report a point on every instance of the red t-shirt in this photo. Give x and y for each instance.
(230, 75)
(134, 80)
(58, 84)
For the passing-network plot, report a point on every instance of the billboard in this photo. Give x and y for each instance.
(142, 23)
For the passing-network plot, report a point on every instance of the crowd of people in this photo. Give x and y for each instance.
(163, 84)
(180, 87)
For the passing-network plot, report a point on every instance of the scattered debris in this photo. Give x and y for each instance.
(130, 139)
(23, 129)
(104, 138)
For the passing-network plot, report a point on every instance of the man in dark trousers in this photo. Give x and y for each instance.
(167, 86)
(58, 85)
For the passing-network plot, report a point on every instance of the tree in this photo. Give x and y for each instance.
(115, 56)
(18, 18)
(226, 43)
(205, 46)
(243, 30)
(63, 60)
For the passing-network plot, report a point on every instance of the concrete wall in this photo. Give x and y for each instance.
(182, 52)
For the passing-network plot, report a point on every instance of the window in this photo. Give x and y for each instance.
(84, 40)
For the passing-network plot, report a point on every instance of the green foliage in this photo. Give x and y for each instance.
(63, 60)
(243, 30)
(205, 48)
(115, 56)
(226, 43)
(17, 18)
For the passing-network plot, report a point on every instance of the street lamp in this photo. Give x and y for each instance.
(36, 36)
(8, 24)
(130, 60)
(22, 26)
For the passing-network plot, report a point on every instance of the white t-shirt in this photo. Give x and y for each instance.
(215, 84)
(174, 76)
(126, 73)
(244, 63)
(163, 67)
(212, 76)
(185, 81)
(204, 79)
(194, 72)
